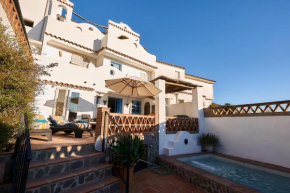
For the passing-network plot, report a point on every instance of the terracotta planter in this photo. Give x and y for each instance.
(121, 169)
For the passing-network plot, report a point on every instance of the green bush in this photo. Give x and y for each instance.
(19, 83)
(208, 139)
(137, 150)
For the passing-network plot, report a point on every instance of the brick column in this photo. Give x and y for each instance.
(100, 120)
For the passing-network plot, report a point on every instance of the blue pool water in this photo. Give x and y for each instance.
(264, 180)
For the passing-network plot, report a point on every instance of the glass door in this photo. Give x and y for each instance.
(60, 102)
(115, 104)
(136, 107)
(73, 106)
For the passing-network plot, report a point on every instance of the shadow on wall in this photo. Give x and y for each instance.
(83, 105)
(97, 44)
(35, 32)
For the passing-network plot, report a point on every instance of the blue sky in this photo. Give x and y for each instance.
(242, 44)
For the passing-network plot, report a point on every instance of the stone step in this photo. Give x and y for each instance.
(40, 169)
(109, 184)
(67, 180)
(62, 152)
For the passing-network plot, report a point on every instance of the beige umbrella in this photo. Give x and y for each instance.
(132, 87)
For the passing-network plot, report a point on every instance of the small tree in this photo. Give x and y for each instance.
(19, 83)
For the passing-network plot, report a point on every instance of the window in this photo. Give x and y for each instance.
(61, 13)
(123, 37)
(28, 23)
(116, 65)
(73, 106)
(143, 76)
(180, 101)
(136, 107)
(177, 74)
(60, 102)
(78, 60)
(112, 72)
(167, 101)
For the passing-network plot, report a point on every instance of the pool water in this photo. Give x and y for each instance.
(262, 179)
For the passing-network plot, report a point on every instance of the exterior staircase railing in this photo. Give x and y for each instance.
(21, 158)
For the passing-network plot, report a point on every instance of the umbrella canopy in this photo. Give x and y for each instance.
(132, 87)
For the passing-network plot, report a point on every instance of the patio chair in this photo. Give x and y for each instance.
(40, 127)
(58, 123)
(87, 118)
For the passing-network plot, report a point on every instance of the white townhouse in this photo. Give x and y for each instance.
(88, 55)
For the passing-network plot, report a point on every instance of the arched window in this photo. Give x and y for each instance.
(147, 108)
(61, 13)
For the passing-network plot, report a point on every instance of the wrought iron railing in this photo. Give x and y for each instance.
(21, 158)
(175, 124)
(256, 109)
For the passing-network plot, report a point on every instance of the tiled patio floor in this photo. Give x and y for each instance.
(147, 182)
(60, 139)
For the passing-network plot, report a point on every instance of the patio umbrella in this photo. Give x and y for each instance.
(132, 87)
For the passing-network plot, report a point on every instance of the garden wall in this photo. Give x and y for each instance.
(262, 138)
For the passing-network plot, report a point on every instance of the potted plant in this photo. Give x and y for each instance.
(128, 150)
(209, 141)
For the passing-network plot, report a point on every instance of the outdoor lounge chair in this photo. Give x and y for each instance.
(59, 124)
(40, 127)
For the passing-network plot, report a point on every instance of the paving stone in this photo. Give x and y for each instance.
(90, 177)
(56, 169)
(81, 179)
(40, 173)
(68, 183)
(44, 189)
(76, 164)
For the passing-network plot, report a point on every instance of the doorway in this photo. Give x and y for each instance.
(115, 104)
(147, 108)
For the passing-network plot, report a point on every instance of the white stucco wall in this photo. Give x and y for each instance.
(126, 69)
(265, 138)
(180, 109)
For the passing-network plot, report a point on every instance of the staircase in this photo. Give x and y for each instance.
(78, 168)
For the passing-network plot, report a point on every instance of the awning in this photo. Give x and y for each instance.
(175, 85)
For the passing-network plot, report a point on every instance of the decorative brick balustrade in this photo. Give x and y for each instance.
(175, 124)
(125, 123)
(257, 109)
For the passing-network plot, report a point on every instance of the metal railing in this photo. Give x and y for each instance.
(21, 158)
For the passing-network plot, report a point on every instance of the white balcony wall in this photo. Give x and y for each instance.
(127, 70)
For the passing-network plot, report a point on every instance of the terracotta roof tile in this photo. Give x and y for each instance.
(197, 78)
(67, 85)
(124, 30)
(103, 48)
(126, 56)
(65, 3)
(70, 42)
(168, 64)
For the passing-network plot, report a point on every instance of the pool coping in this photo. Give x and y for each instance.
(210, 182)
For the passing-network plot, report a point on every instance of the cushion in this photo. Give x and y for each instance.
(59, 119)
(39, 125)
(41, 121)
(82, 121)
